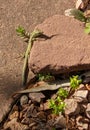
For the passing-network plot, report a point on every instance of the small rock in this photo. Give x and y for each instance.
(60, 122)
(14, 125)
(23, 100)
(82, 123)
(81, 96)
(14, 115)
(44, 106)
(81, 87)
(72, 107)
(31, 111)
(36, 97)
(88, 111)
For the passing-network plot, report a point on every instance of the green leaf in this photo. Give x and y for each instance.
(79, 15)
(74, 82)
(87, 28)
(20, 31)
(62, 93)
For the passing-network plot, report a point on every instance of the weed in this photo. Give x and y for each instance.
(57, 105)
(87, 28)
(44, 77)
(62, 93)
(22, 32)
(74, 82)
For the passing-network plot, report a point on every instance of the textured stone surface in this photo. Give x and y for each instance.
(81, 96)
(67, 49)
(27, 13)
(72, 107)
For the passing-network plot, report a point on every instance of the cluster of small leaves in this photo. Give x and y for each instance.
(74, 82)
(57, 105)
(79, 15)
(44, 77)
(87, 28)
(22, 32)
(62, 93)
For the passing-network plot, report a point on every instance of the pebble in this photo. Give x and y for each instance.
(60, 122)
(81, 96)
(72, 107)
(23, 100)
(36, 97)
(14, 115)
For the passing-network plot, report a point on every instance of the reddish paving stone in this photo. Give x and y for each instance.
(67, 50)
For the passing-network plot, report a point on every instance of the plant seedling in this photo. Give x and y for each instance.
(44, 77)
(87, 28)
(74, 82)
(31, 37)
(79, 15)
(57, 105)
(62, 93)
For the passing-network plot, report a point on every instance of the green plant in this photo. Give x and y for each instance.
(74, 82)
(31, 37)
(79, 15)
(44, 77)
(87, 28)
(22, 32)
(57, 105)
(62, 93)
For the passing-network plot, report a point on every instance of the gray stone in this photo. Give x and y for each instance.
(81, 95)
(36, 97)
(72, 107)
(66, 49)
(23, 100)
(60, 122)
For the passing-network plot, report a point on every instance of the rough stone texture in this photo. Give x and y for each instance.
(67, 49)
(23, 100)
(81, 96)
(27, 13)
(36, 97)
(72, 107)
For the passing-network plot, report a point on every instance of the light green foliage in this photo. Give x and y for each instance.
(22, 32)
(87, 28)
(74, 82)
(79, 15)
(62, 93)
(29, 38)
(57, 105)
(44, 77)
